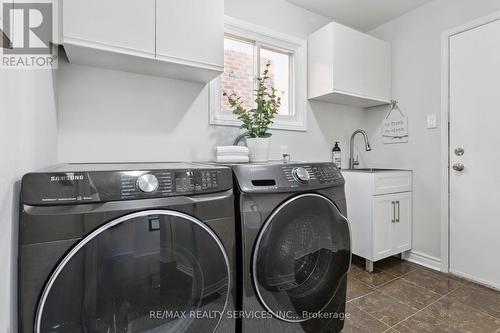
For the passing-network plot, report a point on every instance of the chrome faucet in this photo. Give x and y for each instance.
(353, 162)
(240, 138)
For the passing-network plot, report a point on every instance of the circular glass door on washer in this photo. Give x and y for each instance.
(296, 247)
(101, 252)
(138, 280)
(299, 264)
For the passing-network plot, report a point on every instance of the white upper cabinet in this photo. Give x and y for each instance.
(192, 30)
(377, 57)
(128, 25)
(348, 67)
(348, 62)
(181, 39)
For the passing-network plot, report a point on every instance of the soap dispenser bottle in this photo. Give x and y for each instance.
(337, 155)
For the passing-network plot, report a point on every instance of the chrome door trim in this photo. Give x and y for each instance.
(113, 223)
(263, 231)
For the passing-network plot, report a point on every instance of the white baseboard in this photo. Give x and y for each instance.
(423, 259)
(476, 279)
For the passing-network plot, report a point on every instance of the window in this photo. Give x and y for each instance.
(247, 50)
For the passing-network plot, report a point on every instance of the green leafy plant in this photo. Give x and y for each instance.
(256, 121)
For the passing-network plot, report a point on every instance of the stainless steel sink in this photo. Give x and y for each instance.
(370, 170)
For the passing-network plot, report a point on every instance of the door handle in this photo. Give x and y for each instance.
(459, 151)
(399, 212)
(393, 216)
(458, 167)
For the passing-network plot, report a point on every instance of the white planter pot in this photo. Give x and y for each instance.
(259, 149)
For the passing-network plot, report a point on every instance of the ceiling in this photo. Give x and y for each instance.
(363, 15)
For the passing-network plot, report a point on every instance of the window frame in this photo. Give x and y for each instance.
(274, 41)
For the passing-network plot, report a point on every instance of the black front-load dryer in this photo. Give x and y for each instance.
(295, 246)
(126, 248)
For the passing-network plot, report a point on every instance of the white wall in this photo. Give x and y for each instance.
(279, 15)
(107, 115)
(28, 137)
(416, 56)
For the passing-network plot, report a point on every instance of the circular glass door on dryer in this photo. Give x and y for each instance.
(301, 256)
(144, 272)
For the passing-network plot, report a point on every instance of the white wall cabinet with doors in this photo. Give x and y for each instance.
(181, 39)
(379, 208)
(348, 67)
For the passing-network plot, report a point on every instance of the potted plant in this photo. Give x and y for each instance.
(256, 121)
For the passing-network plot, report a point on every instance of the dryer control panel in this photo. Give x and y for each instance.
(287, 177)
(70, 186)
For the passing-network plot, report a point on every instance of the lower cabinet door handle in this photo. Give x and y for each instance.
(393, 215)
(399, 212)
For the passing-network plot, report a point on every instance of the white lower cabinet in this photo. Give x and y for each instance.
(379, 209)
(391, 224)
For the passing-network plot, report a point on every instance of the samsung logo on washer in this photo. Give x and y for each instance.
(65, 178)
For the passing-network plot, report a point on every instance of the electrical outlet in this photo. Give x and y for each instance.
(431, 121)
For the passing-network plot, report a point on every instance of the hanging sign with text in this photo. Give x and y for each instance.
(395, 126)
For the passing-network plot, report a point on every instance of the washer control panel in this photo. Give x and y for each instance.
(48, 188)
(301, 175)
(287, 177)
(166, 183)
(312, 173)
(326, 173)
(147, 183)
(194, 181)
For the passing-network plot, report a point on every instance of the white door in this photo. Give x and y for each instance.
(475, 127)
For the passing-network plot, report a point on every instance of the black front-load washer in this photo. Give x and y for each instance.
(295, 246)
(127, 248)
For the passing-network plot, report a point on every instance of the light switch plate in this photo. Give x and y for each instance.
(431, 121)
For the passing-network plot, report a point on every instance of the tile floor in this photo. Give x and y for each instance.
(404, 297)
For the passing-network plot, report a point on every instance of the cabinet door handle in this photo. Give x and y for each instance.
(399, 212)
(393, 215)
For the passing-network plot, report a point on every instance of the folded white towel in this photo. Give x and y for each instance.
(232, 159)
(231, 151)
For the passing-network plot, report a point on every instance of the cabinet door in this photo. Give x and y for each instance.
(383, 217)
(377, 68)
(128, 24)
(401, 229)
(348, 60)
(191, 30)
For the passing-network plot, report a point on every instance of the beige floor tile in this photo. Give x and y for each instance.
(423, 322)
(385, 308)
(394, 266)
(359, 321)
(374, 279)
(356, 288)
(462, 317)
(480, 298)
(410, 294)
(439, 284)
